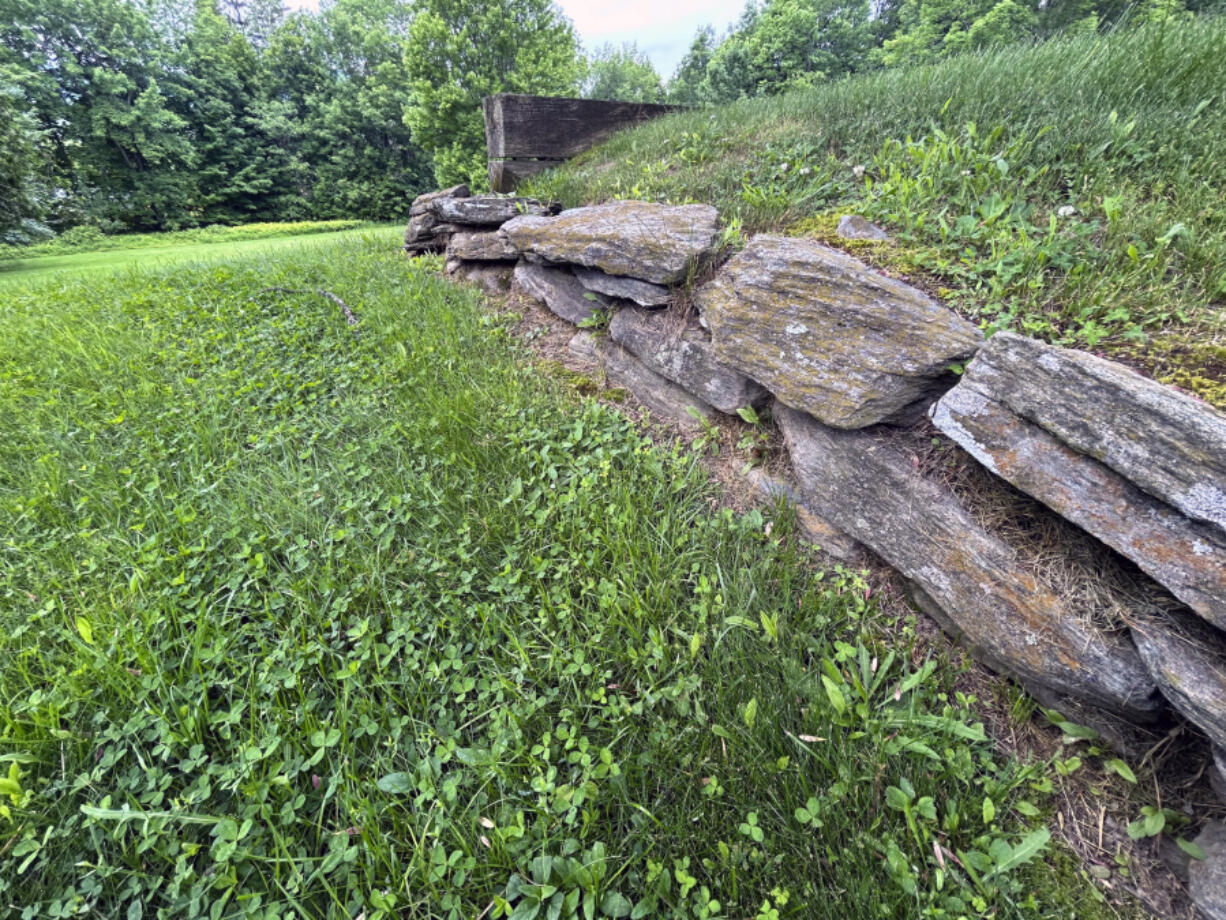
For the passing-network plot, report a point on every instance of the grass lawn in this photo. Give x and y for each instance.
(298, 621)
(182, 247)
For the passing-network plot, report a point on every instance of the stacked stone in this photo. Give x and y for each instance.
(625, 259)
(851, 358)
(463, 225)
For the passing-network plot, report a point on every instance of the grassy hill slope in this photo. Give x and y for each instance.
(1071, 191)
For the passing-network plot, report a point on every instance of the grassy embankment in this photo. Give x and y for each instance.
(1071, 191)
(93, 253)
(301, 622)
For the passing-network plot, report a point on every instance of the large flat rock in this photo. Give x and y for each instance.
(871, 490)
(1170, 444)
(1185, 556)
(486, 210)
(680, 350)
(829, 336)
(422, 204)
(480, 247)
(651, 242)
(662, 398)
(1187, 658)
(557, 289)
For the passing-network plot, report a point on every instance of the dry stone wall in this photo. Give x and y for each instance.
(854, 363)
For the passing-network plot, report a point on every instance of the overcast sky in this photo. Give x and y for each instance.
(661, 28)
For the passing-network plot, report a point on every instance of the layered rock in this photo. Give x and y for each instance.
(1170, 444)
(486, 210)
(423, 203)
(480, 247)
(559, 290)
(997, 417)
(651, 242)
(662, 398)
(870, 490)
(642, 293)
(829, 336)
(680, 351)
(1187, 658)
(425, 232)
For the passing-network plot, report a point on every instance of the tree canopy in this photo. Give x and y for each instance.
(461, 50)
(159, 114)
(622, 73)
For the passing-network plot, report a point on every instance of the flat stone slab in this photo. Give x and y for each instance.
(1187, 658)
(642, 293)
(1207, 877)
(664, 399)
(487, 210)
(480, 247)
(681, 351)
(1185, 556)
(423, 203)
(1170, 444)
(557, 289)
(829, 336)
(651, 242)
(871, 491)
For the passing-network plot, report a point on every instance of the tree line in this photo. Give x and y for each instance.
(163, 114)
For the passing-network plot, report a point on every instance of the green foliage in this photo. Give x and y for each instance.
(461, 50)
(18, 169)
(90, 239)
(167, 114)
(624, 74)
(789, 44)
(302, 622)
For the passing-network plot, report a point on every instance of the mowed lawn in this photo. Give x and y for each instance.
(144, 257)
(305, 620)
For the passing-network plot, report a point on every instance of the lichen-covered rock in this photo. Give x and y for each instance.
(1185, 556)
(829, 336)
(1187, 658)
(480, 247)
(662, 398)
(557, 289)
(423, 203)
(486, 210)
(492, 277)
(681, 352)
(652, 242)
(870, 490)
(855, 227)
(642, 293)
(1169, 443)
(1207, 877)
(420, 227)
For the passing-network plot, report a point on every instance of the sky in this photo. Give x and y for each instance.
(662, 29)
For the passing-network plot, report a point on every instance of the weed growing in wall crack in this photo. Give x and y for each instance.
(297, 623)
